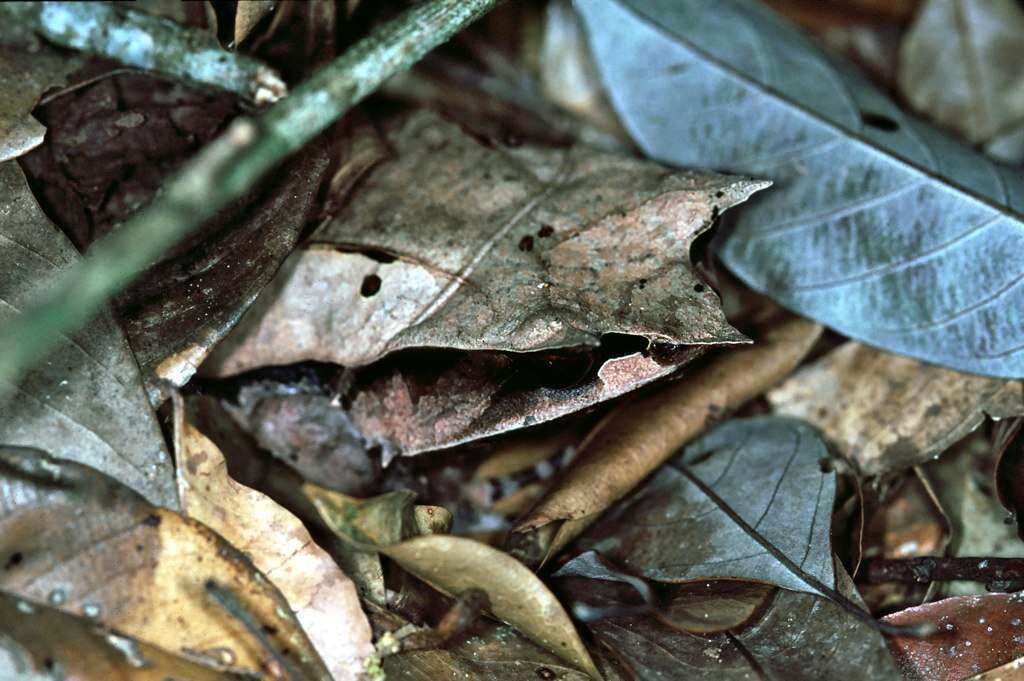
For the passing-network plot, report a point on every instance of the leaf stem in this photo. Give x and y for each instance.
(147, 42)
(223, 171)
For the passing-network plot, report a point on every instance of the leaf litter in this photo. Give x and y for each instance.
(416, 281)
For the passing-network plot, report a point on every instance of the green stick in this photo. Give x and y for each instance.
(224, 170)
(147, 42)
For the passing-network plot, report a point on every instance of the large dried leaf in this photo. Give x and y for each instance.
(959, 65)
(454, 565)
(177, 310)
(974, 634)
(773, 634)
(40, 643)
(24, 78)
(746, 501)
(323, 599)
(497, 249)
(879, 226)
(85, 402)
(886, 412)
(638, 437)
(421, 403)
(79, 540)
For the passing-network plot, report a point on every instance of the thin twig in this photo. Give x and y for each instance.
(224, 171)
(147, 42)
(993, 572)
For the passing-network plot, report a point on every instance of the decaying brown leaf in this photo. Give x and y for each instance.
(642, 434)
(760, 632)
(958, 65)
(80, 541)
(85, 402)
(248, 13)
(24, 78)
(323, 599)
(552, 249)
(182, 306)
(885, 412)
(974, 634)
(456, 564)
(40, 643)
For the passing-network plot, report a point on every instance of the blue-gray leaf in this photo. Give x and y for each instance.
(878, 225)
(746, 501)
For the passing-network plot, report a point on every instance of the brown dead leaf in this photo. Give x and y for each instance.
(959, 65)
(76, 539)
(454, 565)
(24, 77)
(552, 249)
(323, 599)
(974, 634)
(40, 643)
(248, 13)
(641, 435)
(415, 404)
(886, 412)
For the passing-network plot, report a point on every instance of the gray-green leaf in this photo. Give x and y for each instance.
(746, 501)
(878, 225)
(85, 402)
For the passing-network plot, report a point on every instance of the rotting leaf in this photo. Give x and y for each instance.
(455, 564)
(626, 447)
(24, 78)
(495, 652)
(887, 413)
(182, 306)
(413, 404)
(746, 501)
(879, 226)
(86, 401)
(443, 247)
(248, 13)
(323, 599)
(79, 540)
(974, 634)
(957, 65)
(40, 643)
(775, 633)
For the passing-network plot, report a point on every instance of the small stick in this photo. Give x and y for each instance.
(147, 42)
(223, 172)
(995, 573)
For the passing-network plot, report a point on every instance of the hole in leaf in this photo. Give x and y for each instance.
(699, 288)
(371, 284)
(14, 560)
(879, 121)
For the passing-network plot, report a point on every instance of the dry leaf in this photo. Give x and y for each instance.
(553, 249)
(746, 501)
(975, 634)
(24, 78)
(493, 652)
(323, 599)
(959, 65)
(455, 564)
(85, 402)
(248, 13)
(40, 643)
(885, 412)
(78, 540)
(780, 635)
(640, 435)
(439, 400)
